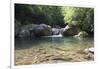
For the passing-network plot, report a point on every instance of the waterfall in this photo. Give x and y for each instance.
(59, 35)
(67, 27)
(58, 31)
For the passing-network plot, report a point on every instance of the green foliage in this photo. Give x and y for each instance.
(84, 17)
(55, 15)
(38, 14)
(68, 13)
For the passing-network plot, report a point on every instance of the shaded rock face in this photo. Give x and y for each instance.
(24, 33)
(17, 27)
(41, 30)
(35, 30)
(70, 31)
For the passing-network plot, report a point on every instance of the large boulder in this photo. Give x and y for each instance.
(35, 30)
(71, 29)
(42, 30)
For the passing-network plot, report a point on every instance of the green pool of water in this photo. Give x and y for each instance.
(27, 43)
(27, 46)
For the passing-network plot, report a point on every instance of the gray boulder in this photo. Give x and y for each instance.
(42, 30)
(35, 30)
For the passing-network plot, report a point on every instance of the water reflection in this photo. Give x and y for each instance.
(26, 43)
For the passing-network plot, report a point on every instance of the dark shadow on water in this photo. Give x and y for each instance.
(25, 43)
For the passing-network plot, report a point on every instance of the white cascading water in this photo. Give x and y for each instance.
(59, 35)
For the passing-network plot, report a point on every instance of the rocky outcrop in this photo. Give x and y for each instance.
(36, 30)
(41, 30)
(71, 29)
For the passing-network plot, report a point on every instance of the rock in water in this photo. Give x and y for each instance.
(70, 31)
(82, 34)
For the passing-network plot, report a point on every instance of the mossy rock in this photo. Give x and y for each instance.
(82, 34)
(71, 31)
